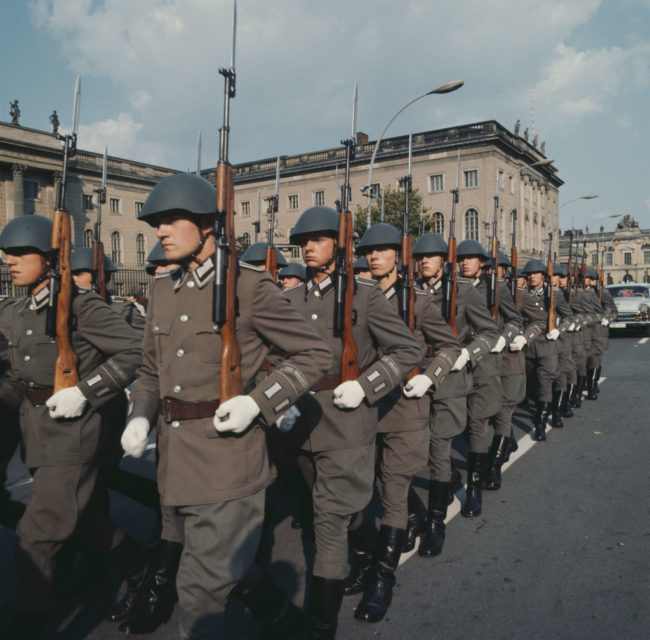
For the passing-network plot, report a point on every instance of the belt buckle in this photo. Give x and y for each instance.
(167, 409)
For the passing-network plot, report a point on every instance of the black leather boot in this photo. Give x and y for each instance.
(556, 418)
(576, 400)
(473, 503)
(543, 411)
(591, 391)
(455, 483)
(325, 603)
(434, 536)
(497, 456)
(512, 446)
(378, 595)
(362, 542)
(27, 625)
(158, 591)
(596, 379)
(417, 520)
(270, 606)
(565, 408)
(131, 562)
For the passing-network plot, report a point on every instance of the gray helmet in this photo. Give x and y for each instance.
(256, 253)
(380, 234)
(157, 255)
(183, 192)
(82, 260)
(591, 273)
(534, 266)
(559, 269)
(430, 243)
(315, 220)
(293, 270)
(469, 248)
(27, 231)
(503, 260)
(151, 268)
(361, 263)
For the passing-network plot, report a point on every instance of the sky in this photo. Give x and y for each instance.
(150, 81)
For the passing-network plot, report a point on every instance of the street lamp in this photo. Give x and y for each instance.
(591, 196)
(448, 87)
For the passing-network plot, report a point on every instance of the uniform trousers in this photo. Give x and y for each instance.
(595, 358)
(448, 418)
(342, 487)
(541, 369)
(400, 455)
(514, 391)
(578, 355)
(483, 403)
(219, 546)
(565, 362)
(65, 500)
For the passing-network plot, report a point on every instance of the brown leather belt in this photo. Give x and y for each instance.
(172, 409)
(39, 396)
(327, 382)
(265, 367)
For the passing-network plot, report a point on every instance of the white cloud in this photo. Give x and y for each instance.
(119, 133)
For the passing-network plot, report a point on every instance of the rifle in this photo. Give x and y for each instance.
(344, 281)
(513, 251)
(569, 265)
(407, 296)
(273, 201)
(59, 308)
(493, 292)
(225, 274)
(98, 246)
(550, 296)
(583, 267)
(451, 287)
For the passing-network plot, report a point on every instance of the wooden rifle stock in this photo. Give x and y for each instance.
(551, 300)
(453, 285)
(65, 370)
(514, 287)
(272, 263)
(408, 289)
(583, 274)
(230, 383)
(494, 279)
(349, 353)
(98, 269)
(599, 273)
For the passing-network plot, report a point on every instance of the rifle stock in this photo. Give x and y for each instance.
(513, 260)
(98, 269)
(271, 264)
(551, 299)
(494, 290)
(451, 286)
(345, 264)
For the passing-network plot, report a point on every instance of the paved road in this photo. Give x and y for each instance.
(562, 551)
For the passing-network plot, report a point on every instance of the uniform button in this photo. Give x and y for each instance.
(30, 384)
(190, 284)
(28, 332)
(176, 424)
(314, 316)
(27, 358)
(180, 353)
(184, 318)
(177, 388)
(156, 328)
(317, 294)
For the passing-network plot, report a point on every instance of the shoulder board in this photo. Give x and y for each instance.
(465, 280)
(421, 292)
(252, 267)
(369, 282)
(164, 274)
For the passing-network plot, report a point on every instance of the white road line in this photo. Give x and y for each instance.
(643, 340)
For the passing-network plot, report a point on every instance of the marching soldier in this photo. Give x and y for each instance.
(214, 466)
(255, 254)
(292, 275)
(157, 263)
(62, 433)
(361, 268)
(337, 427)
(403, 427)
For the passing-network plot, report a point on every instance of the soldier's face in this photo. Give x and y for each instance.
(430, 266)
(381, 260)
(25, 268)
(180, 237)
(563, 282)
(470, 266)
(501, 271)
(535, 280)
(521, 281)
(317, 251)
(83, 279)
(556, 280)
(290, 281)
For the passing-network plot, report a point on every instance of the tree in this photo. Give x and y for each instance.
(243, 242)
(394, 205)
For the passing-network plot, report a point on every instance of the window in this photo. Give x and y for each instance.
(471, 178)
(86, 201)
(375, 190)
(594, 259)
(627, 258)
(294, 252)
(319, 198)
(245, 209)
(293, 202)
(137, 208)
(115, 206)
(139, 248)
(471, 224)
(30, 189)
(438, 223)
(88, 238)
(246, 239)
(646, 257)
(116, 250)
(437, 182)
(609, 259)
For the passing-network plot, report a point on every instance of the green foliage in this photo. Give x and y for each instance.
(242, 242)
(394, 206)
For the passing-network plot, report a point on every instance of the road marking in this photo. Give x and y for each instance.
(643, 340)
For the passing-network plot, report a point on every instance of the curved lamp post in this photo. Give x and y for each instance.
(448, 87)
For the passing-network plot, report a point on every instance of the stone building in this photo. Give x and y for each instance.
(622, 253)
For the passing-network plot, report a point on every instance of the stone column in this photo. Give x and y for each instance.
(19, 192)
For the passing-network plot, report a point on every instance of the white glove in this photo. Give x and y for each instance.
(288, 419)
(349, 395)
(462, 360)
(134, 437)
(553, 335)
(604, 322)
(518, 343)
(572, 327)
(417, 386)
(235, 414)
(498, 347)
(67, 403)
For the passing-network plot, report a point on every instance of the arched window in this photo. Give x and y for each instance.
(438, 223)
(88, 238)
(116, 250)
(139, 248)
(246, 238)
(471, 224)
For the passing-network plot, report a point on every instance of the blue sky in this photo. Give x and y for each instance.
(150, 78)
